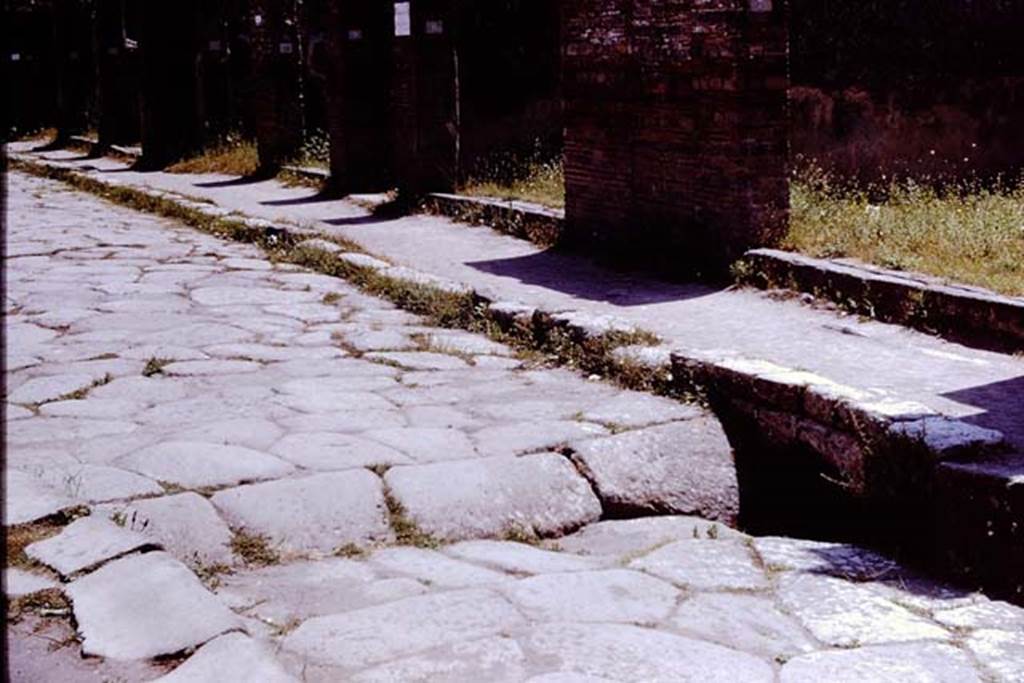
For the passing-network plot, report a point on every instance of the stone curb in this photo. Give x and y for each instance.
(538, 224)
(972, 315)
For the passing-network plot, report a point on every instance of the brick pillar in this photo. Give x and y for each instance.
(118, 87)
(277, 70)
(172, 112)
(358, 78)
(676, 127)
(424, 95)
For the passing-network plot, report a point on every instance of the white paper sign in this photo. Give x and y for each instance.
(403, 21)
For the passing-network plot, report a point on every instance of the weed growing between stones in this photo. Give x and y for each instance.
(407, 532)
(253, 548)
(79, 394)
(231, 156)
(517, 533)
(45, 603)
(155, 366)
(350, 551)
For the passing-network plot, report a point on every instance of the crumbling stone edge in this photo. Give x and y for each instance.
(971, 315)
(538, 224)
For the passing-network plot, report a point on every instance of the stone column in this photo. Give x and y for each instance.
(171, 84)
(357, 71)
(676, 128)
(75, 73)
(118, 83)
(277, 91)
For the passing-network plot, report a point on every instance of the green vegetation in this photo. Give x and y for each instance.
(967, 233)
(232, 156)
(540, 182)
(254, 549)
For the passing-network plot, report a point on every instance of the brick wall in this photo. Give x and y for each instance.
(675, 127)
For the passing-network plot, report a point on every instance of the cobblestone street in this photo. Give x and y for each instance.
(288, 479)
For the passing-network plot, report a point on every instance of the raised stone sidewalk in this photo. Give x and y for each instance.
(239, 470)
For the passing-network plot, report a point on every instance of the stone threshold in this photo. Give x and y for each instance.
(875, 446)
(969, 315)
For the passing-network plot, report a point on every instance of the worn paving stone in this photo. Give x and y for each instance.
(720, 564)
(193, 368)
(251, 432)
(111, 408)
(280, 595)
(680, 468)
(985, 614)
(352, 421)
(520, 558)
(441, 417)
(490, 497)
(612, 595)
(99, 483)
(231, 658)
(334, 451)
(635, 409)
(148, 390)
(321, 512)
(1001, 652)
(185, 524)
(18, 583)
(425, 445)
(86, 543)
(434, 568)
(923, 662)
(333, 402)
(528, 437)
(749, 623)
(466, 343)
(629, 653)
(42, 389)
(194, 464)
(26, 499)
(488, 659)
(637, 536)
(379, 340)
(179, 612)
(419, 360)
(846, 614)
(818, 557)
(374, 635)
(265, 352)
(69, 429)
(16, 412)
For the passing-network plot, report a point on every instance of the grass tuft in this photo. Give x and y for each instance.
(407, 532)
(232, 156)
(155, 366)
(254, 549)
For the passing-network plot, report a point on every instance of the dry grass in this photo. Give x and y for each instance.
(968, 233)
(541, 183)
(234, 156)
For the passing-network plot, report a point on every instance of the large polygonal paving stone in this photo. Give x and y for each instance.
(26, 499)
(145, 606)
(613, 595)
(488, 659)
(335, 402)
(251, 432)
(636, 536)
(434, 568)
(844, 614)
(265, 352)
(722, 564)
(102, 408)
(186, 525)
(984, 614)
(194, 464)
(300, 590)
(918, 662)
(629, 653)
(333, 451)
(635, 409)
(520, 558)
(419, 360)
(18, 583)
(85, 543)
(69, 429)
(231, 658)
(424, 445)
(99, 483)
(492, 496)
(1001, 652)
(526, 437)
(229, 296)
(683, 467)
(820, 557)
(321, 512)
(190, 368)
(373, 635)
(748, 623)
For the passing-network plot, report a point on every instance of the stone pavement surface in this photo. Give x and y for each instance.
(289, 480)
(984, 388)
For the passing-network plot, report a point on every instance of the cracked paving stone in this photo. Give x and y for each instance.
(488, 659)
(86, 543)
(419, 360)
(179, 612)
(720, 564)
(42, 389)
(845, 614)
(492, 496)
(374, 635)
(194, 464)
(612, 595)
(680, 468)
(321, 512)
(434, 568)
(18, 583)
(16, 412)
(185, 524)
(520, 558)
(634, 409)
(424, 445)
(333, 451)
(919, 662)
(630, 653)
(301, 590)
(749, 623)
(231, 658)
(27, 499)
(637, 536)
(525, 437)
